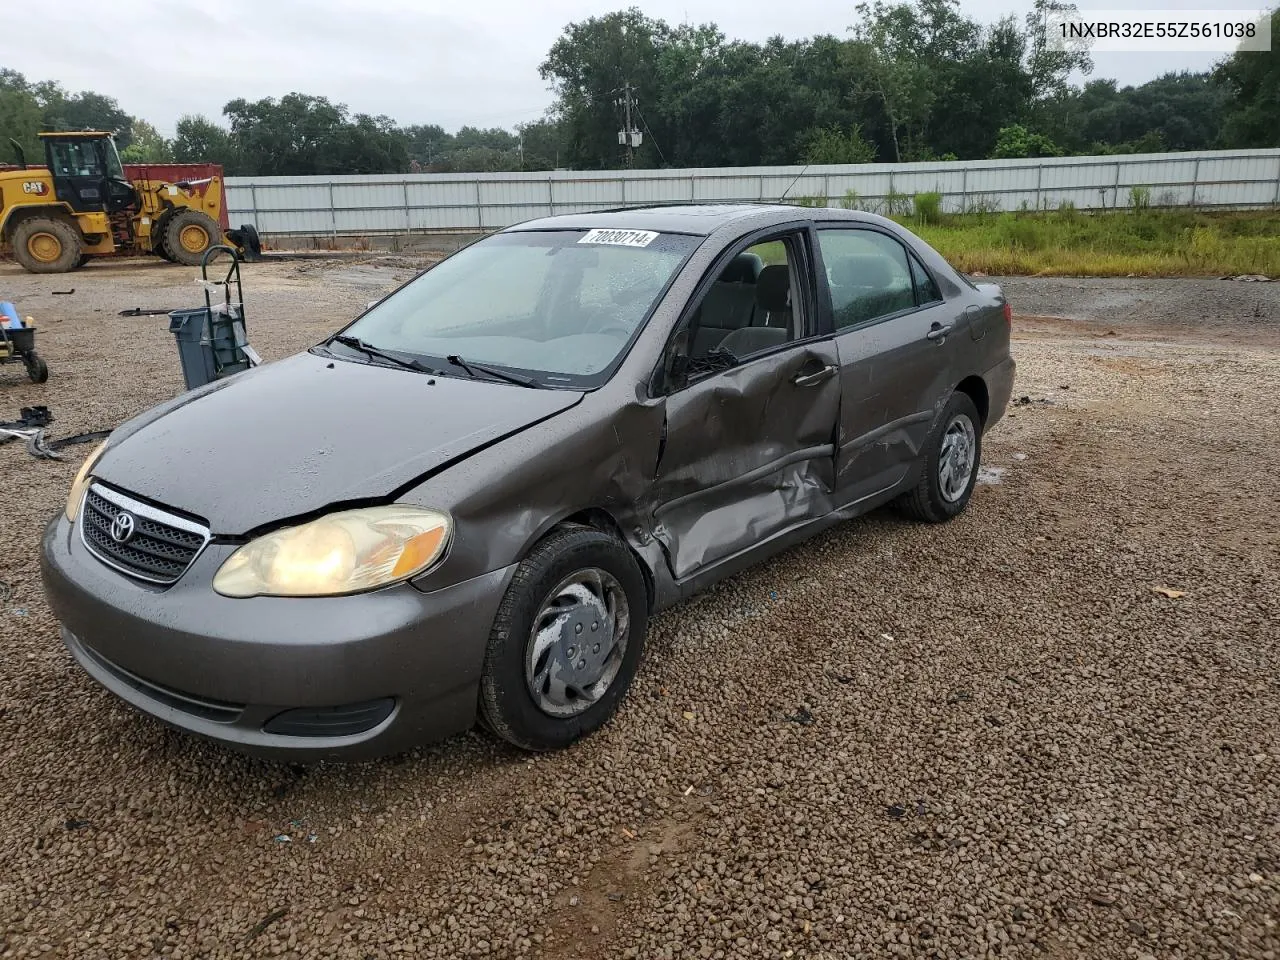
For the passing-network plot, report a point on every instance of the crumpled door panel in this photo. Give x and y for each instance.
(748, 454)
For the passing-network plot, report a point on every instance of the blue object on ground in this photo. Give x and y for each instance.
(9, 315)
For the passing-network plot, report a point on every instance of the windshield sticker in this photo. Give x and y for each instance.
(621, 238)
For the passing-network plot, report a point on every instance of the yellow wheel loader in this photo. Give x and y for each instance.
(84, 203)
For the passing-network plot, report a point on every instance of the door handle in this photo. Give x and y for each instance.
(938, 332)
(810, 379)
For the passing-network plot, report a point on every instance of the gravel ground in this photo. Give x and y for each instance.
(993, 738)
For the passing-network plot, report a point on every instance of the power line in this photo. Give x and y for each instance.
(652, 138)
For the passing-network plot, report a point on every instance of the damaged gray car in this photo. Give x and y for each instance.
(469, 503)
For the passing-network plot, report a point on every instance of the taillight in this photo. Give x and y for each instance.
(1008, 315)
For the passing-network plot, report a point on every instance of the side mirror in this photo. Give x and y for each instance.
(675, 363)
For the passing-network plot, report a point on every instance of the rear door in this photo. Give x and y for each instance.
(751, 411)
(894, 336)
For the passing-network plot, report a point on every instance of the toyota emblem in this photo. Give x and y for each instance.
(122, 527)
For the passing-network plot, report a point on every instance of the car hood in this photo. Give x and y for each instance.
(293, 437)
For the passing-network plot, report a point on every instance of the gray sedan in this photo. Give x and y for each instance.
(469, 502)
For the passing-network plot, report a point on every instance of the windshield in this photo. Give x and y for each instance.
(75, 158)
(557, 305)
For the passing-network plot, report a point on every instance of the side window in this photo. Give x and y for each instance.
(868, 273)
(754, 305)
(926, 290)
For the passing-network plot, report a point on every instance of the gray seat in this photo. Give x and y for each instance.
(728, 305)
(773, 297)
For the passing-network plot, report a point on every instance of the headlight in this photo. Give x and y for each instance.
(346, 552)
(81, 481)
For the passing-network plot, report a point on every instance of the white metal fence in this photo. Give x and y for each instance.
(410, 203)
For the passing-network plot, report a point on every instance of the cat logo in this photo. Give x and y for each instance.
(35, 187)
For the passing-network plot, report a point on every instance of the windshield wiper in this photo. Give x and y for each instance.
(355, 343)
(471, 367)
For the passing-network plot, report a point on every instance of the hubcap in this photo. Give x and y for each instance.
(955, 462)
(193, 238)
(577, 643)
(44, 247)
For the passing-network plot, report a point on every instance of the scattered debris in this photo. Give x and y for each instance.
(887, 636)
(1025, 401)
(1019, 457)
(688, 790)
(277, 914)
(30, 427)
(140, 312)
(282, 838)
(64, 293)
(74, 823)
(991, 476)
(688, 714)
(897, 811)
(627, 833)
(1169, 592)
(1249, 278)
(36, 445)
(802, 716)
(1102, 899)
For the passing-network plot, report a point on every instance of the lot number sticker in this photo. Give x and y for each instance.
(621, 238)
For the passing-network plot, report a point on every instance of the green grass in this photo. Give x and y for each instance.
(1145, 242)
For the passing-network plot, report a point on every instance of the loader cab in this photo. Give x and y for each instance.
(87, 173)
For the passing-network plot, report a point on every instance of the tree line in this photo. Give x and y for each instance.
(909, 80)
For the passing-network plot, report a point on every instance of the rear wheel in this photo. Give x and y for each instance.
(950, 467)
(187, 235)
(566, 641)
(46, 245)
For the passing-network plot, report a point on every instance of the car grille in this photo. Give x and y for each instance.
(160, 547)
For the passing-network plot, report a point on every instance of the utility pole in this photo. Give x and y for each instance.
(628, 136)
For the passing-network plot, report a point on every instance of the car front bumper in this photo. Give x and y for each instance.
(364, 676)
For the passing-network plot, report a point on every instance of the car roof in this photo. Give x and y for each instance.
(699, 219)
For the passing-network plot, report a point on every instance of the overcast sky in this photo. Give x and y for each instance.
(419, 61)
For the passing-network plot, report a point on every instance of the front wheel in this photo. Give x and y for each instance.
(950, 467)
(187, 235)
(566, 641)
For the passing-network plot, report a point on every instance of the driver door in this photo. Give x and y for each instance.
(751, 410)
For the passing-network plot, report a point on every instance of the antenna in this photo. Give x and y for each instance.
(803, 171)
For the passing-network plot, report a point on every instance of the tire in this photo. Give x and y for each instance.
(931, 500)
(37, 369)
(46, 245)
(187, 235)
(84, 258)
(507, 699)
